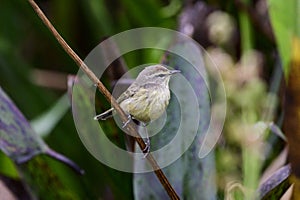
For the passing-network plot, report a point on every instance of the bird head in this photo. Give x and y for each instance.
(156, 74)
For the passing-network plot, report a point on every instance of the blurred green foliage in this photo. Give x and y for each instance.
(27, 48)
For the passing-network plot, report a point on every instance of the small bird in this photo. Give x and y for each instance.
(147, 97)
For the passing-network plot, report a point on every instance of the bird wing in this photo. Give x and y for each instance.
(128, 93)
(133, 89)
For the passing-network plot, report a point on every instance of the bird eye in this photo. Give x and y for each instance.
(161, 75)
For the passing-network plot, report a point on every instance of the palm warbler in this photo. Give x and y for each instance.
(147, 97)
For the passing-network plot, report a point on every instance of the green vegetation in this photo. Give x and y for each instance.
(255, 44)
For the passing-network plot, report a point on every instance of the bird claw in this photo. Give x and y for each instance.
(127, 122)
(146, 150)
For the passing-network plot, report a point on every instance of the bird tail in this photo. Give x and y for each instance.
(105, 115)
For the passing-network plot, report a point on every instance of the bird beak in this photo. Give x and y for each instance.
(174, 71)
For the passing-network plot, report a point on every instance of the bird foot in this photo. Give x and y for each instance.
(127, 122)
(146, 150)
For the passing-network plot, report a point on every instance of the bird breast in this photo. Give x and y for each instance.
(147, 104)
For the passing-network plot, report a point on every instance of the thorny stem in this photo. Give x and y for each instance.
(159, 173)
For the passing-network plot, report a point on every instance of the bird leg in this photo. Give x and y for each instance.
(146, 150)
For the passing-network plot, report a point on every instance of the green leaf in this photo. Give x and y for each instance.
(46, 122)
(144, 12)
(19, 142)
(285, 20)
(275, 186)
(48, 179)
(191, 177)
(101, 16)
(17, 139)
